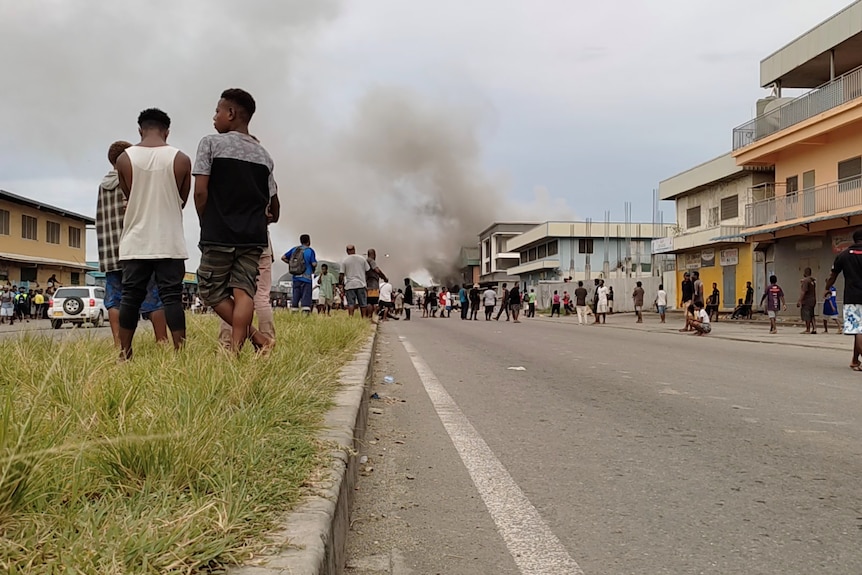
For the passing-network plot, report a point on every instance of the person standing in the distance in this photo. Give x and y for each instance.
(602, 307)
(234, 186)
(408, 298)
(638, 300)
(581, 303)
(387, 306)
(515, 302)
(774, 297)
(807, 301)
(531, 303)
(475, 302)
(489, 299)
(302, 262)
(354, 271)
(555, 304)
(326, 281)
(849, 262)
(504, 305)
(661, 302)
(748, 302)
(372, 280)
(830, 309)
(610, 299)
(464, 300)
(156, 179)
(697, 284)
(687, 291)
(713, 302)
(110, 211)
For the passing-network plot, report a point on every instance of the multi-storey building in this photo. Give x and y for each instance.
(710, 204)
(495, 259)
(813, 142)
(38, 240)
(554, 251)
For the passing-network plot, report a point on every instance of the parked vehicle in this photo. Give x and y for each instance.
(78, 305)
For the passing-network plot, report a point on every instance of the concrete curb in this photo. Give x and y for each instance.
(312, 539)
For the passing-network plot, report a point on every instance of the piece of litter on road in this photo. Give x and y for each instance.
(376, 411)
(375, 395)
(389, 380)
(517, 368)
(399, 442)
(410, 477)
(363, 460)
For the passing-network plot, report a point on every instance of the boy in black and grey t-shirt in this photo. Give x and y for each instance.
(235, 197)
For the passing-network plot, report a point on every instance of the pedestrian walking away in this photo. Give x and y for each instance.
(661, 302)
(638, 300)
(372, 278)
(849, 262)
(774, 297)
(408, 298)
(830, 309)
(504, 304)
(749, 300)
(807, 301)
(156, 180)
(475, 302)
(515, 303)
(353, 276)
(713, 302)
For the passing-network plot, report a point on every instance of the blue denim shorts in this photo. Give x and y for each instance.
(114, 293)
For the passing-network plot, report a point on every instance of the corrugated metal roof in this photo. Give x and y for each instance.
(21, 200)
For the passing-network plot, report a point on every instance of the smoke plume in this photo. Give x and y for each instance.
(403, 174)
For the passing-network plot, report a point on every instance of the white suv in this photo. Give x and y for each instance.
(79, 305)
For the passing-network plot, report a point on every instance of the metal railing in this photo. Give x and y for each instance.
(809, 203)
(830, 95)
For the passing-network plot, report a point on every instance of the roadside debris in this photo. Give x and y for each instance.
(518, 368)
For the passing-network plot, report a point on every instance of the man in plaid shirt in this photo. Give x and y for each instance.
(110, 211)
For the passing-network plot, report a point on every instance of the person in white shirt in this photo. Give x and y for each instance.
(489, 300)
(661, 302)
(387, 306)
(700, 323)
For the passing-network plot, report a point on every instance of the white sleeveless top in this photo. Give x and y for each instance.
(153, 224)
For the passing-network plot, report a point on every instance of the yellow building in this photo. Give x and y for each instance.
(814, 144)
(710, 202)
(38, 240)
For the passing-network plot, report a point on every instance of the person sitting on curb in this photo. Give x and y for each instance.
(700, 322)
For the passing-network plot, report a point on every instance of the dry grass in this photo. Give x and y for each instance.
(174, 463)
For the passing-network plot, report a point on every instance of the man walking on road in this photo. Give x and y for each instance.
(372, 280)
(504, 305)
(849, 262)
(749, 300)
(774, 297)
(353, 274)
(475, 302)
(581, 303)
(661, 302)
(302, 261)
(807, 301)
(515, 303)
(638, 297)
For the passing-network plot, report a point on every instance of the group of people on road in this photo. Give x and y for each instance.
(23, 304)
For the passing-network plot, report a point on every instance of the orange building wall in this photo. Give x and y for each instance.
(823, 158)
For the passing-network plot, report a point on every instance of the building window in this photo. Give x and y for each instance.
(74, 237)
(52, 232)
(729, 207)
(849, 174)
(543, 251)
(28, 274)
(792, 184)
(523, 257)
(585, 246)
(531, 255)
(5, 228)
(28, 227)
(553, 248)
(76, 278)
(692, 217)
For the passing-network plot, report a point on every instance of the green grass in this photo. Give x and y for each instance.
(172, 463)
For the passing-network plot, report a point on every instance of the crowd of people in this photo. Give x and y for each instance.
(20, 303)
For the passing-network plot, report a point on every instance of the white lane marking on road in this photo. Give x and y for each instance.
(534, 547)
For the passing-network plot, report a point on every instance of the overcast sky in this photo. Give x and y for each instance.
(590, 103)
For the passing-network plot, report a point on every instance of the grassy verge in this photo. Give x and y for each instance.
(173, 463)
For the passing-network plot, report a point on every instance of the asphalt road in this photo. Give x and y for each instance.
(638, 450)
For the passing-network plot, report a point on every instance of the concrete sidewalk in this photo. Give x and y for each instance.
(755, 331)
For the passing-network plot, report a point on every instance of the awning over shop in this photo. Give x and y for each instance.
(17, 258)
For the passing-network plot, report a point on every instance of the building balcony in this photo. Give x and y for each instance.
(707, 236)
(836, 199)
(839, 91)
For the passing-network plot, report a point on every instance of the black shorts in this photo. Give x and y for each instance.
(808, 313)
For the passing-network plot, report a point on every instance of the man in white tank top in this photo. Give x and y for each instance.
(156, 179)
